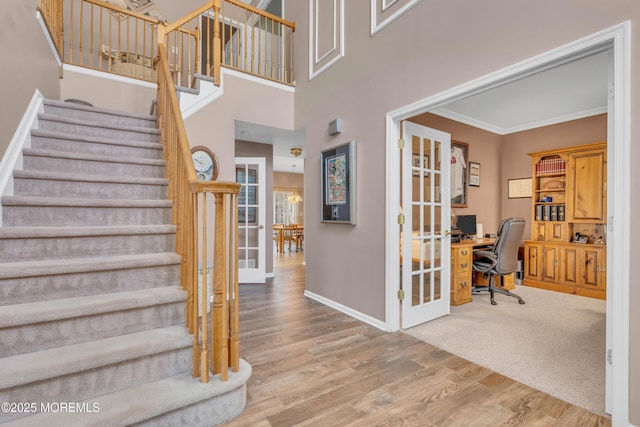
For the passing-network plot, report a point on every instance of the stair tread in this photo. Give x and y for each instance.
(97, 124)
(79, 231)
(45, 133)
(54, 362)
(84, 202)
(91, 157)
(125, 407)
(108, 111)
(81, 265)
(52, 310)
(62, 176)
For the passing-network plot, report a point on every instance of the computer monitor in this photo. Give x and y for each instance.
(467, 224)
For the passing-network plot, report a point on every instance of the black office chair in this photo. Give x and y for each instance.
(501, 259)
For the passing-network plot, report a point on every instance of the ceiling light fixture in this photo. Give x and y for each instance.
(295, 151)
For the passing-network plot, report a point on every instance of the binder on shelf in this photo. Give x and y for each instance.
(553, 216)
(560, 212)
(546, 212)
(538, 212)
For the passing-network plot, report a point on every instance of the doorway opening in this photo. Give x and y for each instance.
(617, 38)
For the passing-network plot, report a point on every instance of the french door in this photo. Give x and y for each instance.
(250, 173)
(426, 206)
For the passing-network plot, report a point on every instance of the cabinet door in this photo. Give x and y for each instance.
(556, 231)
(550, 263)
(533, 261)
(569, 266)
(592, 267)
(539, 231)
(587, 201)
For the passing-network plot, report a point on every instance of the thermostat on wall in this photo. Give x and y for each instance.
(335, 126)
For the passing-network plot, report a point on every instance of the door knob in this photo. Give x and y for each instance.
(447, 233)
(260, 226)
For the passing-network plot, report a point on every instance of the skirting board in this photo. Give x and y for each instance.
(346, 310)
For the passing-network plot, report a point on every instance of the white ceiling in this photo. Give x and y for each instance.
(282, 141)
(569, 91)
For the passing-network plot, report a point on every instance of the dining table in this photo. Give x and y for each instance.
(291, 233)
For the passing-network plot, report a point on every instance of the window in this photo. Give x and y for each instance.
(286, 207)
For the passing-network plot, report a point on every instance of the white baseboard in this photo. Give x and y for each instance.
(12, 159)
(346, 310)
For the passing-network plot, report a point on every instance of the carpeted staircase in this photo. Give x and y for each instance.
(92, 314)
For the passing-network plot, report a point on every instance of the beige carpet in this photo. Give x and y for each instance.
(554, 343)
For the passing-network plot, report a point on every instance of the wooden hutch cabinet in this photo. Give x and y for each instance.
(567, 250)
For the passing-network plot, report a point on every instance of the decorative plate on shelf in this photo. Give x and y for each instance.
(205, 163)
(554, 184)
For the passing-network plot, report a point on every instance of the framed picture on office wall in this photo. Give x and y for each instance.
(459, 175)
(474, 174)
(338, 169)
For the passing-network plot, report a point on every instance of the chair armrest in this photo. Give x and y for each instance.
(485, 260)
(485, 254)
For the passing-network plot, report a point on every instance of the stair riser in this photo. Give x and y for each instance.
(103, 132)
(31, 249)
(91, 167)
(41, 336)
(79, 146)
(94, 116)
(77, 387)
(43, 288)
(88, 190)
(54, 216)
(206, 413)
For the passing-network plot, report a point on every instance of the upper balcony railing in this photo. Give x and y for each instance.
(108, 38)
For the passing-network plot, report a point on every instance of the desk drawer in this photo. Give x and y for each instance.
(461, 289)
(461, 260)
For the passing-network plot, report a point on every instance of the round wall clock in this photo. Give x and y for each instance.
(205, 163)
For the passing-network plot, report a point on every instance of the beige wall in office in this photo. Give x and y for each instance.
(28, 64)
(504, 157)
(517, 164)
(435, 46)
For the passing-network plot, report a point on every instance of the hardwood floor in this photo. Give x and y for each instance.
(315, 366)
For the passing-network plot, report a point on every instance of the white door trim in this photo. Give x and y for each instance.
(619, 149)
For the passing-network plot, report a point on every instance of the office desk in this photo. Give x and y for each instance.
(462, 274)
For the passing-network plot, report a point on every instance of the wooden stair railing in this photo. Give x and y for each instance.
(201, 237)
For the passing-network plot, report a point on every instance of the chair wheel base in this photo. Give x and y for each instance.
(521, 301)
(493, 302)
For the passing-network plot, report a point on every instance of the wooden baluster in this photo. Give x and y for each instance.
(220, 317)
(234, 315)
(193, 293)
(204, 348)
(216, 42)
